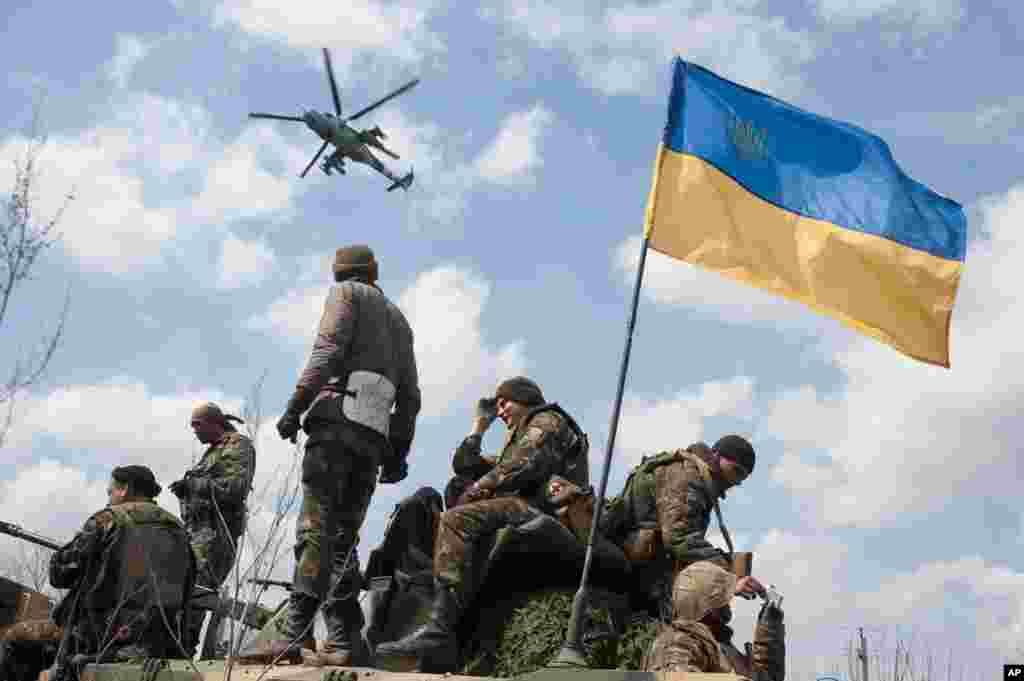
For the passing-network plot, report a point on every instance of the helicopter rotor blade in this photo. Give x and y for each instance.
(322, 147)
(408, 86)
(333, 84)
(277, 117)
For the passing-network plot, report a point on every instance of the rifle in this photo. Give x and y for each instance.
(287, 586)
(19, 532)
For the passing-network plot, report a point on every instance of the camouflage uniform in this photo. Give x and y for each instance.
(691, 645)
(111, 565)
(539, 447)
(662, 517)
(469, 466)
(214, 509)
(361, 333)
(543, 447)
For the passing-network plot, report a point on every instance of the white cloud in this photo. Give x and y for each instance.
(711, 296)
(922, 16)
(357, 28)
(294, 316)
(514, 155)
(129, 52)
(444, 307)
(51, 499)
(650, 425)
(244, 263)
(121, 232)
(123, 221)
(905, 437)
(969, 605)
(121, 421)
(626, 48)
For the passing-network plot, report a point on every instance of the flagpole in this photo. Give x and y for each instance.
(571, 653)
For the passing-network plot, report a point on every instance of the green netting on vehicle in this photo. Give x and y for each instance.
(523, 633)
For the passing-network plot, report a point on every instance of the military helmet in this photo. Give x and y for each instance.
(700, 588)
(355, 261)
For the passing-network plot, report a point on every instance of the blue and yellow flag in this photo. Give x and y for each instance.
(812, 209)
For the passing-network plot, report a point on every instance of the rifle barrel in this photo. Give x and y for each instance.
(17, 531)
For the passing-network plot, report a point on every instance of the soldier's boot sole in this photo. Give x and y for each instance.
(433, 647)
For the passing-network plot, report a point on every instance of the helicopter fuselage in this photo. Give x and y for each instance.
(332, 129)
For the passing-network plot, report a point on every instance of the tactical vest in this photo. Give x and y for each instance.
(146, 569)
(572, 440)
(632, 518)
(363, 384)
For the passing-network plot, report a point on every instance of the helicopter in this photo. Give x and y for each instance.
(348, 142)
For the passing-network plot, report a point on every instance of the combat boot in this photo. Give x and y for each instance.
(344, 646)
(294, 637)
(434, 643)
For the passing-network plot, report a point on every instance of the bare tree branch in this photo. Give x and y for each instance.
(24, 238)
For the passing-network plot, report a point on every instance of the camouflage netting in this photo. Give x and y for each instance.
(523, 633)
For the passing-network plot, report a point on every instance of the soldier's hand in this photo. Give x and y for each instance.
(288, 427)
(179, 488)
(393, 470)
(748, 587)
(477, 492)
(484, 414)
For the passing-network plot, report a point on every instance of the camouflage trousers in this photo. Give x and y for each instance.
(338, 481)
(214, 549)
(460, 533)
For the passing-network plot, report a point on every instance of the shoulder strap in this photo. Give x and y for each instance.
(709, 482)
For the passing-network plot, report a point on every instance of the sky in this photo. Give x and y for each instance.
(886, 491)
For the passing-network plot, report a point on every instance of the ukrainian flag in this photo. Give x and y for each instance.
(806, 207)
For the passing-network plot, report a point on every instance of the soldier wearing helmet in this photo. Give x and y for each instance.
(699, 638)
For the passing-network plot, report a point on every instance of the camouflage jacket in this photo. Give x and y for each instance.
(361, 330)
(543, 444)
(671, 495)
(468, 461)
(692, 647)
(87, 563)
(221, 480)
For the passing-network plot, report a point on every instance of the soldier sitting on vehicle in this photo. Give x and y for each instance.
(131, 570)
(543, 442)
(699, 639)
(661, 518)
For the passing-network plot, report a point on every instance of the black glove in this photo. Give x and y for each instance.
(393, 468)
(179, 488)
(487, 408)
(288, 427)
(770, 614)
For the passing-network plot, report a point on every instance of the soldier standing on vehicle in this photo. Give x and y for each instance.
(361, 389)
(212, 495)
(214, 491)
(661, 519)
(131, 570)
(543, 442)
(699, 638)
